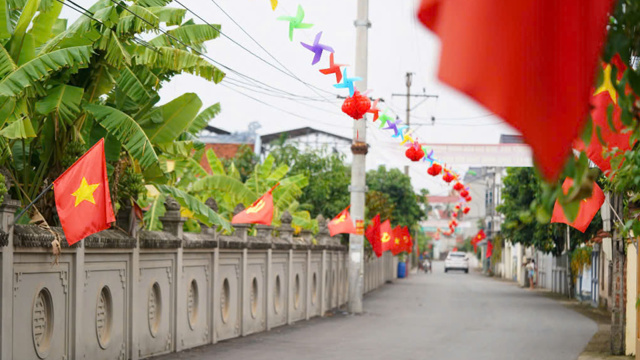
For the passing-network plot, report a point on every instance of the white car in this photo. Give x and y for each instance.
(456, 261)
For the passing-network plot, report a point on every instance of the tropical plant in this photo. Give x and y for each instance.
(64, 87)
(225, 185)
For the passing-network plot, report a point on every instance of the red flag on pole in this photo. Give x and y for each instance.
(82, 196)
(489, 249)
(342, 223)
(588, 208)
(373, 235)
(604, 98)
(260, 212)
(385, 236)
(518, 69)
(396, 235)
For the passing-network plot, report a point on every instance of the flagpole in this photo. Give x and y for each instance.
(31, 203)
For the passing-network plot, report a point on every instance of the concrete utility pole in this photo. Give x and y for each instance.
(358, 186)
(408, 122)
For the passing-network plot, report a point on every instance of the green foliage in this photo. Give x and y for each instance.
(580, 257)
(397, 186)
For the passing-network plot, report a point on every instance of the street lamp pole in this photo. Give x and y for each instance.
(358, 187)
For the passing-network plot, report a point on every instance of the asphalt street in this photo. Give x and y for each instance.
(452, 316)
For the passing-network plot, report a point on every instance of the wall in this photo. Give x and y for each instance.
(113, 296)
(631, 293)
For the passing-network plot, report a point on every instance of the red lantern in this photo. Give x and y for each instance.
(468, 199)
(447, 177)
(434, 170)
(356, 106)
(455, 215)
(466, 210)
(458, 186)
(415, 152)
(464, 193)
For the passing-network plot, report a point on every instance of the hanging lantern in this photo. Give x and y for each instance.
(434, 170)
(356, 106)
(464, 193)
(458, 186)
(415, 152)
(466, 210)
(468, 199)
(447, 177)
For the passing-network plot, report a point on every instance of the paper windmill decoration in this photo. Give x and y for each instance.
(333, 69)
(414, 152)
(356, 106)
(274, 4)
(295, 22)
(347, 83)
(447, 177)
(317, 48)
(374, 110)
(434, 170)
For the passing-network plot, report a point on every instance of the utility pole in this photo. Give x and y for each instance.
(358, 186)
(408, 95)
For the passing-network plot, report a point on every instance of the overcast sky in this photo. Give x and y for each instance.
(398, 43)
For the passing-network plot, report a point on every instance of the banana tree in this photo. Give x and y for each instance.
(64, 87)
(224, 184)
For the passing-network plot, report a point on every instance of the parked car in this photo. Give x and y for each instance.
(456, 261)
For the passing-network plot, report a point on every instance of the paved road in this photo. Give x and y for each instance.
(436, 316)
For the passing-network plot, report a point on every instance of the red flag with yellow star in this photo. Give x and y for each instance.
(397, 240)
(342, 224)
(386, 235)
(82, 196)
(260, 212)
(374, 235)
(588, 208)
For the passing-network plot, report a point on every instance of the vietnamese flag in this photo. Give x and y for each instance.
(489, 249)
(532, 63)
(82, 196)
(386, 235)
(588, 208)
(407, 241)
(260, 212)
(604, 96)
(397, 245)
(342, 224)
(373, 235)
(479, 237)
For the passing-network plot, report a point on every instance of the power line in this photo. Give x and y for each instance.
(287, 72)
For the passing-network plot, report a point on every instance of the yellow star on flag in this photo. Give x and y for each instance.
(607, 85)
(85, 192)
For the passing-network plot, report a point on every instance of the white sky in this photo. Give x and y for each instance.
(398, 43)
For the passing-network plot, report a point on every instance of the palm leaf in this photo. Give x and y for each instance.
(176, 117)
(266, 167)
(6, 63)
(28, 12)
(20, 129)
(64, 101)
(217, 168)
(127, 131)
(201, 211)
(224, 184)
(143, 20)
(233, 172)
(179, 60)
(149, 3)
(42, 67)
(192, 35)
(278, 173)
(203, 118)
(156, 210)
(5, 26)
(116, 55)
(168, 15)
(138, 84)
(44, 22)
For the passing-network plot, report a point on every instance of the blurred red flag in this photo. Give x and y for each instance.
(260, 212)
(342, 224)
(407, 241)
(530, 62)
(479, 237)
(489, 249)
(385, 236)
(396, 235)
(82, 196)
(373, 235)
(602, 131)
(588, 208)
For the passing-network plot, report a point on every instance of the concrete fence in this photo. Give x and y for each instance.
(115, 296)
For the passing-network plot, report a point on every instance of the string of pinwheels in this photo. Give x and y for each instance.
(358, 104)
